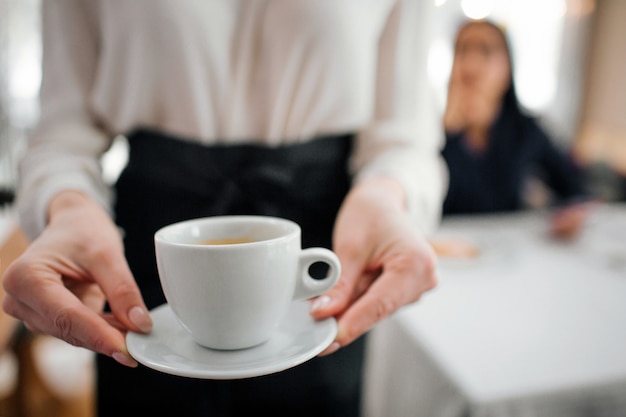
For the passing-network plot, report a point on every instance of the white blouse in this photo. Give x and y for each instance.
(272, 71)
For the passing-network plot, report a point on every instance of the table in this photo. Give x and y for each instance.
(530, 327)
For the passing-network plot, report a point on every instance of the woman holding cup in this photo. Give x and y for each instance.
(311, 111)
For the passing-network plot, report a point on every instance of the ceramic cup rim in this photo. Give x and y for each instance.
(163, 235)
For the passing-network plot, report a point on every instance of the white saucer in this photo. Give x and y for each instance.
(170, 349)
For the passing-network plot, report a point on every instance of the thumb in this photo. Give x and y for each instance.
(337, 299)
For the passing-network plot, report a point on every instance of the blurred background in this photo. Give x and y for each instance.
(569, 60)
(568, 56)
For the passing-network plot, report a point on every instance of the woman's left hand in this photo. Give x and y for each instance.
(386, 262)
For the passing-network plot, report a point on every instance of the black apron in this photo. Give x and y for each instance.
(169, 179)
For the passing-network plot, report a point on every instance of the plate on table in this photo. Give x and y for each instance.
(457, 250)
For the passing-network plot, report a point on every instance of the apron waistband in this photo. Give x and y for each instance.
(195, 167)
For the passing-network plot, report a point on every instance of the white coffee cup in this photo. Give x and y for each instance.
(231, 279)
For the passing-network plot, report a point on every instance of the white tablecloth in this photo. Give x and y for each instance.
(530, 327)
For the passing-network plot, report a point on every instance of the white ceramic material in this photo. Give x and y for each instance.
(233, 296)
(169, 348)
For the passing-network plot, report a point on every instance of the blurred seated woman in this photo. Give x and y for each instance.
(491, 145)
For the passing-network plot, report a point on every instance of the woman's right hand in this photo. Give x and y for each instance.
(454, 119)
(59, 285)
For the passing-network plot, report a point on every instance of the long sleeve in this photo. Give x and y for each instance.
(231, 71)
(63, 152)
(560, 172)
(404, 138)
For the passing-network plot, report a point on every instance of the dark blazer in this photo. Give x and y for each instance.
(492, 181)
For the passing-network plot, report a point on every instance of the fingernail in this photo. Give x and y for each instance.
(124, 359)
(320, 302)
(140, 318)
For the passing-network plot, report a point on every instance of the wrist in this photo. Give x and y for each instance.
(66, 200)
(382, 191)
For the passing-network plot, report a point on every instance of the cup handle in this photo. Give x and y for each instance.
(307, 286)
